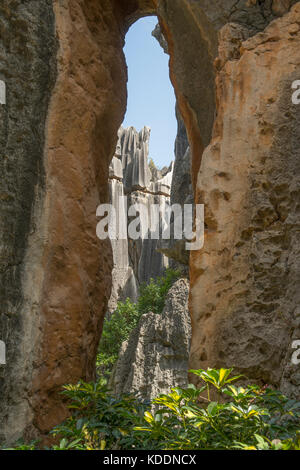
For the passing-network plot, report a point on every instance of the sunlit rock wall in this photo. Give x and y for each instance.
(245, 281)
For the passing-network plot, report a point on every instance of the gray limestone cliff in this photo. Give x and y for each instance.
(155, 358)
(133, 181)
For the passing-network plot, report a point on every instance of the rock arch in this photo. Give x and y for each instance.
(65, 76)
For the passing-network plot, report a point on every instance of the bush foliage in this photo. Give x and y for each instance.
(217, 415)
(247, 418)
(118, 327)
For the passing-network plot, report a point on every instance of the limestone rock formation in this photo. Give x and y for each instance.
(65, 75)
(155, 358)
(130, 178)
(124, 283)
(245, 281)
(157, 34)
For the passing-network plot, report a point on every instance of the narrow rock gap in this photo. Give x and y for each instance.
(141, 174)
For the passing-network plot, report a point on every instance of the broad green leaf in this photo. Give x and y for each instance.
(148, 417)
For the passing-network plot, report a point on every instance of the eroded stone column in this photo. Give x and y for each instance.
(56, 273)
(245, 281)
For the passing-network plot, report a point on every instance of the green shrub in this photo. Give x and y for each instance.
(116, 330)
(243, 418)
(100, 420)
(153, 295)
(21, 445)
(253, 419)
(247, 418)
(118, 327)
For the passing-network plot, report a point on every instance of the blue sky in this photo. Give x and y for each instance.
(151, 99)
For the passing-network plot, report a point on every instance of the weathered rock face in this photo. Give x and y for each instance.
(57, 143)
(155, 358)
(181, 193)
(181, 188)
(57, 283)
(245, 282)
(28, 69)
(130, 178)
(124, 282)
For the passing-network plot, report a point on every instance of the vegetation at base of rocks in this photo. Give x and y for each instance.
(118, 327)
(21, 445)
(247, 418)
